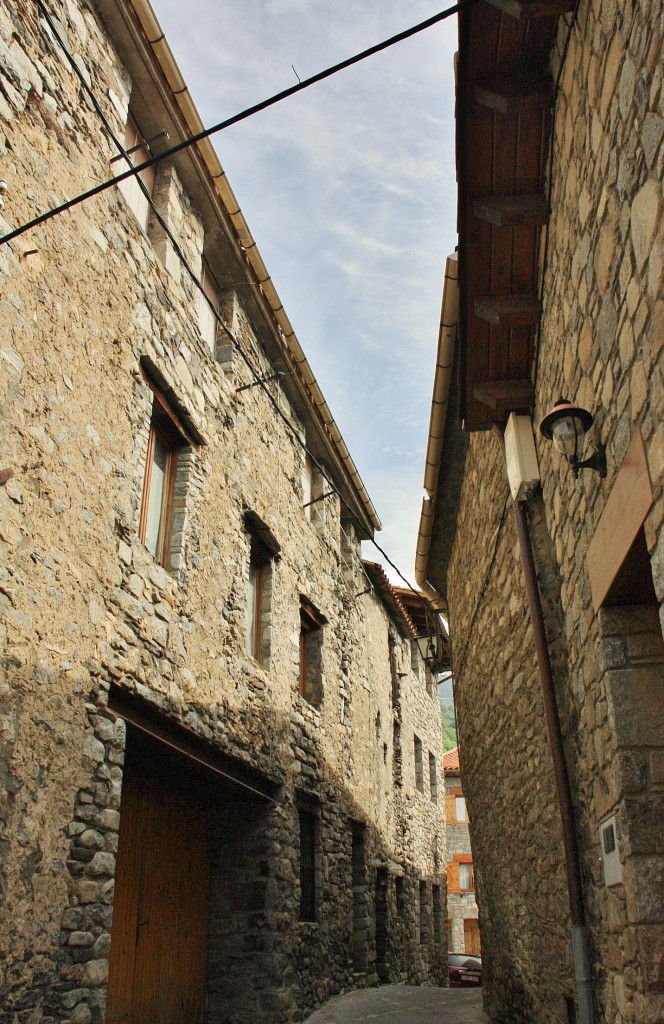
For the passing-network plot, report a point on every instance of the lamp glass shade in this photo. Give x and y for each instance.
(566, 433)
(425, 645)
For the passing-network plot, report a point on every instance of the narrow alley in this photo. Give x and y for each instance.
(401, 1004)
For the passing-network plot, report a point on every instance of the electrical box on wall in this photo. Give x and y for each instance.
(609, 852)
(521, 457)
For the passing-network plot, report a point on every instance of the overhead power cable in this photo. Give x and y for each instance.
(258, 380)
(236, 118)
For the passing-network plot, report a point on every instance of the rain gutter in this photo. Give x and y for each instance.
(164, 56)
(439, 402)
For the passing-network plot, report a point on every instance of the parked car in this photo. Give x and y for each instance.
(465, 971)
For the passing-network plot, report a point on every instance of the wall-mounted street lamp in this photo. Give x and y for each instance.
(566, 425)
(432, 649)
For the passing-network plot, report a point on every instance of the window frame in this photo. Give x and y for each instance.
(465, 861)
(165, 427)
(311, 626)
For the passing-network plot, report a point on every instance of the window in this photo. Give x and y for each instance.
(308, 856)
(437, 915)
(315, 493)
(311, 652)
(424, 915)
(433, 778)
(138, 153)
(460, 808)
(466, 880)
(206, 318)
(400, 895)
(167, 442)
(258, 583)
(360, 934)
(264, 549)
(460, 876)
(419, 767)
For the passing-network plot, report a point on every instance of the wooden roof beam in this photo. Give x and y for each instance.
(514, 93)
(533, 8)
(509, 310)
(505, 395)
(512, 211)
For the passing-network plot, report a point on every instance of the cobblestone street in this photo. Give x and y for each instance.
(403, 1004)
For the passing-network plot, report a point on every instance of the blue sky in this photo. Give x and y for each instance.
(349, 190)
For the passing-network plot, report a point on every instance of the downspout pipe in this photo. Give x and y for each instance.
(580, 938)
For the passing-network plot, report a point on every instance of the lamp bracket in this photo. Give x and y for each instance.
(596, 461)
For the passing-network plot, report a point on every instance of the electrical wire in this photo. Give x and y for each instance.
(186, 265)
(237, 118)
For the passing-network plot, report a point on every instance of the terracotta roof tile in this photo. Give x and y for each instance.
(451, 760)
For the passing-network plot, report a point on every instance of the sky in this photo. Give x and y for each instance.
(349, 191)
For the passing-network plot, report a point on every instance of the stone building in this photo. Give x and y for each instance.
(216, 802)
(554, 598)
(463, 933)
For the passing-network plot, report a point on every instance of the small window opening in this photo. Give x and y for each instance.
(437, 915)
(311, 654)
(207, 321)
(130, 187)
(400, 895)
(433, 778)
(359, 938)
(308, 858)
(424, 914)
(419, 767)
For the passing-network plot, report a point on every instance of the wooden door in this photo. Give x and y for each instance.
(158, 957)
(471, 936)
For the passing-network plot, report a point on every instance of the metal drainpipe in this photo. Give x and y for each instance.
(580, 941)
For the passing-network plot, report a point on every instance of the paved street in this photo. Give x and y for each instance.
(403, 1004)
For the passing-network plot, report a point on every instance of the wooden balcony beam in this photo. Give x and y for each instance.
(508, 310)
(533, 8)
(512, 211)
(514, 93)
(504, 395)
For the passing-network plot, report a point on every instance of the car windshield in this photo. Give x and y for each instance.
(468, 963)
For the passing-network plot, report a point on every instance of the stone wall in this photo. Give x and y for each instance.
(98, 316)
(505, 761)
(601, 347)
